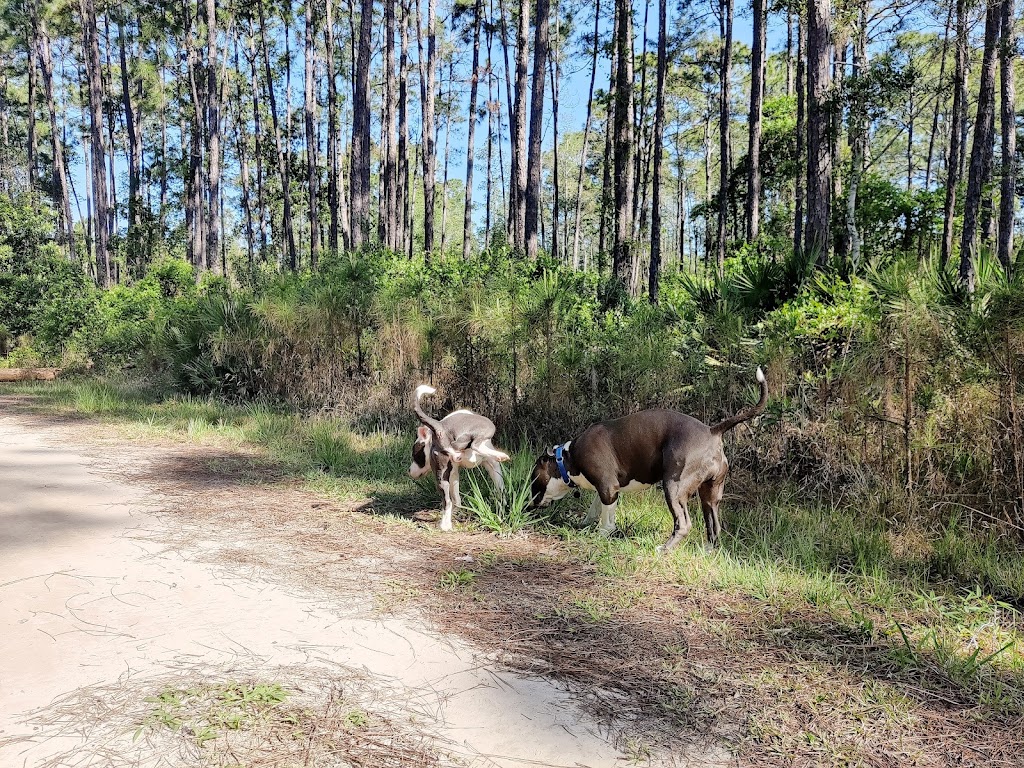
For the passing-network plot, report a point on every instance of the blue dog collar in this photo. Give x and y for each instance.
(560, 463)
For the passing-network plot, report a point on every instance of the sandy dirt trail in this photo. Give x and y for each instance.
(90, 600)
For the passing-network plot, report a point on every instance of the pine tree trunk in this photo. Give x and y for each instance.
(333, 130)
(403, 238)
(533, 174)
(518, 212)
(242, 149)
(939, 99)
(428, 155)
(213, 133)
(97, 149)
(61, 184)
(555, 71)
(819, 122)
(981, 149)
(474, 82)
(659, 131)
(389, 213)
(607, 187)
(622, 250)
(312, 169)
(31, 46)
(757, 68)
(359, 181)
(586, 137)
(1008, 131)
(959, 109)
(801, 137)
(725, 149)
(857, 140)
(446, 99)
(134, 157)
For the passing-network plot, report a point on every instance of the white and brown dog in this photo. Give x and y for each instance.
(461, 440)
(638, 451)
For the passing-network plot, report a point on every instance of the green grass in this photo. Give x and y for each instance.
(943, 601)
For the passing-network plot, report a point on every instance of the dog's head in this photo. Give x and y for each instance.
(547, 484)
(421, 454)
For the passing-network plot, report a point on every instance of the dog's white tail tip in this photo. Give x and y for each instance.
(424, 389)
(760, 375)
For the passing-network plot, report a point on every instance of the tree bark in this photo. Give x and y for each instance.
(97, 148)
(428, 155)
(282, 164)
(757, 68)
(403, 241)
(1008, 131)
(389, 212)
(981, 150)
(540, 62)
(312, 168)
(474, 82)
(333, 139)
(956, 131)
(359, 181)
(819, 121)
(725, 8)
(213, 133)
(518, 213)
(659, 131)
(801, 137)
(622, 251)
(586, 138)
(134, 155)
(62, 197)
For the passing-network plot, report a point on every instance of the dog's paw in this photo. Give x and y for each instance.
(446, 525)
(605, 533)
(660, 549)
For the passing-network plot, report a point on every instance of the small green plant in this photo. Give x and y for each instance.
(503, 513)
(454, 580)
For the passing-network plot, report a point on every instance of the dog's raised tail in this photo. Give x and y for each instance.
(440, 433)
(747, 413)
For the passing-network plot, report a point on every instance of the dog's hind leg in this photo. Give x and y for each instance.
(485, 448)
(448, 480)
(711, 492)
(677, 496)
(494, 470)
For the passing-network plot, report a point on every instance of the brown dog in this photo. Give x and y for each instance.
(638, 451)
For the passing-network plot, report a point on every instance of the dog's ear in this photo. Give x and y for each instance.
(551, 452)
(423, 433)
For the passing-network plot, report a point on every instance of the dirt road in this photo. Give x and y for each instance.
(109, 610)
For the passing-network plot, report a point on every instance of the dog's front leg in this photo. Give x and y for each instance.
(445, 482)
(607, 524)
(595, 511)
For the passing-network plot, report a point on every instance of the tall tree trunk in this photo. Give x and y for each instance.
(312, 169)
(359, 181)
(428, 74)
(956, 131)
(242, 149)
(659, 131)
(403, 241)
(134, 156)
(757, 67)
(981, 149)
(789, 52)
(586, 137)
(819, 121)
(622, 251)
(492, 109)
(519, 162)
(261, 198)
(939, 99)
(1008, 131)
(389, 214)
(540, 62)
(555, 71)
(31, 40)
(446, 99)
(858, 125)
(97, 149)
(801, 136)
(725, 149)
(62, 197)
(282, 164)
(607, 183)
(333, 130)
(474, 82)
(213, 132)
